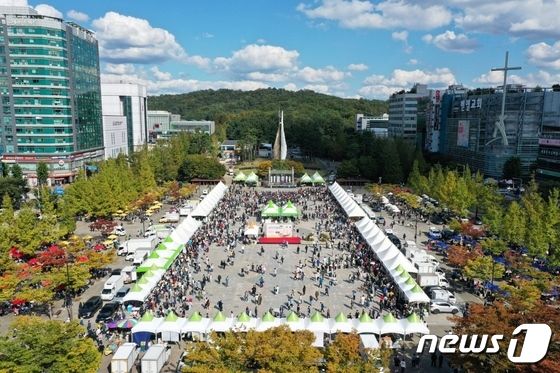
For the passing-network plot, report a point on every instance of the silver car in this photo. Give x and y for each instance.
(443, 307)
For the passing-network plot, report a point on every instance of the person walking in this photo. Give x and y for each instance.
(226, 281)
(440, 360)
(403, 365)
(434, 359)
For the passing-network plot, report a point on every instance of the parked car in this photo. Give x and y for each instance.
(380, 220)
(434, 233)
(107, 312)
(443, 307)
(90, 307)
(121, 293)
(395, 240)
(437, 219)
(376, 207)
(119, 231)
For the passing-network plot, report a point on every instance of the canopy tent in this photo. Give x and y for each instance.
(204, 208)
(244, 323)
(171, 326)
(350, 207)
(317, 179)
(369, 341)
(416, 294)
(196, 324)
(305, 179)
(294, 322)
(289, 210)
(220, 323)
(340, 324)
(252, 178)
(414, 324)
(268, 321)
(271, 210)
(251, 229)
(317, 323)
(365, 324)
(240, 177)
(388, 324)
(146, 328)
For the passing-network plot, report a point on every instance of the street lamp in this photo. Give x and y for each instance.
(68, 297)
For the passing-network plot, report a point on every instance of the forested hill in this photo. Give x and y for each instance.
(321, 125)
(212, 104)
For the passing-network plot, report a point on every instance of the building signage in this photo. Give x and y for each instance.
(468, 105)
(549, 142)
(463, 133)
(278, 230)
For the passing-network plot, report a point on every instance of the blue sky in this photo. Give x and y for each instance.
(349, 48)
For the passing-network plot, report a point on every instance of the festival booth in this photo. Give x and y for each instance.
(317, 179)
(268, 321)
(413, 324)
(289, 210)
(340, 324)
(204, 208)
(171, 327)
(294, 322)
(278, 233)
(220, 323)
(245, 322)
(305, 179)
(146, 328)
(368, 341)
(252, 179)
(388, 324)
(251, 230)
(365, 324)
(271, 210)
(196, 325)
(350, 207)
(240, 177)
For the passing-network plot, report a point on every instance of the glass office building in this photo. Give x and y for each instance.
(50, 90)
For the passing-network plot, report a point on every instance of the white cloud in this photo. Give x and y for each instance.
(413, 61)
(320, 88)
(77, 16)
(267, 77)
(357, 67)
(381, 86)
(290, 87)
(451, 42)
(324, 75)
(545, 55)
(400, 35)
(47, 10)
(207, 35)
(264, 58)
(119, 68)
(261, 41)
(126, 39)
(160, 75)
(383, 15)
(541, 78)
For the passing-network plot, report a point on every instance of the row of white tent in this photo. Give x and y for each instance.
(172, 327)
(350, 207)
(395, 262)
(165, 254)
(204, 208)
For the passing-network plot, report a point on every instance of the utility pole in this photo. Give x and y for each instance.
(500, 123)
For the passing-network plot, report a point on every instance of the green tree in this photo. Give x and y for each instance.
(533, 205)
(484, 268)
(515, 226)
(42, 173)
(344, 355)
(37, 345)
(16, 172)
(512, 168)
(552, 226)
(200, 166)
(348, 169)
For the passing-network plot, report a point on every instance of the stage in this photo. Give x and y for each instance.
(279, 240)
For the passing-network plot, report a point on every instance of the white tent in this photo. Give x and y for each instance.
(413, 324)
(317, 324)
(208, 204)
(365, 324)
(196, 324)
(147, 326)
(389, 325)
(369, 341)
(170, 328)
(350, 207)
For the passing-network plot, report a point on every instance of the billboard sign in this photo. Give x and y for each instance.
(463, 133)
(278, 230)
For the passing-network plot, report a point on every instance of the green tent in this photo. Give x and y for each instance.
(364, 317)
(168, 239)
(219, 317)
(154, 254)
(416, 289)
(240, 177)
(252, 178)
(305, 179)
(271, 210)
(340, 317)
(389, 318)
(317, 317)
(267, 317)
(289, 210)
(148, 274)
(410, 281)
(414, 318)
(136, 288)
(243, 317)
(317, 179)
(171, 316)
(196, 317)
(292, 317)
(143, 281)
(148, 316)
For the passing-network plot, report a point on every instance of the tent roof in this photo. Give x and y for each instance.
(317, 317)
(240, 177)
(268, 317)
(196, 317)
(243, 317)
(292, 317)
(136, 288)
(148, 316)
(389, 318)
(414, 318)
(340, 317)
(219, 317)
(171, 316)
(364, 317)
(317, 178)
(306, 179)
(252, 178)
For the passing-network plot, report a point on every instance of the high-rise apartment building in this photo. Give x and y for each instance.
(378, 125)
(50, 94)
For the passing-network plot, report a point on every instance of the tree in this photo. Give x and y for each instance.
(484, 268)
(200, 166)
(42, 173)
(459, 256)
(514, 227)
(512, 168)
(535, 238)
(37, 345)
(16, 172)
(344, 355)
(348, 169)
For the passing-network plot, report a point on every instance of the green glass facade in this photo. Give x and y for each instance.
(50, 89)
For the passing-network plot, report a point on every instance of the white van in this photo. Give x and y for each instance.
(112, 285)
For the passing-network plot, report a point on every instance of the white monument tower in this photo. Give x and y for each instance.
(280, 149)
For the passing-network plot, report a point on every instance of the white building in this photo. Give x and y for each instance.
(377, 125)
(115, 135)
(403, 112)
(205, 126)
(128, 100)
